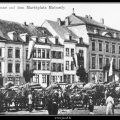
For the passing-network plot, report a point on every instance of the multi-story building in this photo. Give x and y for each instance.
(68, 39)
(14, 38)
(102, 43)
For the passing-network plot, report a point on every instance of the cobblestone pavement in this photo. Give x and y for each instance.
(98, 110)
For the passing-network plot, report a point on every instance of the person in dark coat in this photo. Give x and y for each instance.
(52, 105)
(91, 105)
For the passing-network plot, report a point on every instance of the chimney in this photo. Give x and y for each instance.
(102, 20)
(59, 21)
(80, 40)
(67, 22)
(31, 23)
(25, 23)
(46, 40)
(90, 17)
(86, 16)
(56, 39)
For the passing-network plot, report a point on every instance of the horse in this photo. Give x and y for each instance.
(76, 98)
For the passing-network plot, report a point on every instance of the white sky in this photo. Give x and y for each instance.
(109, 11)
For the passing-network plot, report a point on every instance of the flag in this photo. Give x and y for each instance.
(116, 78)
(105, 76)
(111, 69)
(96, 79)
(75, 60)
(30, 48)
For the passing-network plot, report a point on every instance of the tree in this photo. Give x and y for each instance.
(82, 74)
(28, 74)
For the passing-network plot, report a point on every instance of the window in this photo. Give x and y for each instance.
(34, 53)
(10, 67)
(53, 54)
(61, 79)
(10, 53)
(73, 78)
(100, 46)
(107, 61)
(17, 68)
(100, 62)
(119, 62)
(67, 65)
(93, 62)
(26, 54)
(59, 55)
(35, 65)
(113, 48)
(39, 65)
(48, 65)
(53, 78)
(72, 52)
(44, 78)
(47, 53)
(54, 66)
(67, 51)
(72, 65)
(39, 53)
(107, 47)
(113, 61)
(59, 67)
(43, 53)
(119, 49)
(0, 52)
(17, 53)
(43, 65)
(27, 67)
(10, 78)
(0, 67)
(93, 45)
(17, 81)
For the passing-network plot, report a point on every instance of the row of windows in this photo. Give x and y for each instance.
(44, 78)
(10, 53)
(69, 78)
(101, 63)
(57, 54)
(107, 47)
(69, 52)
(69, 66)
(41, 65)
(41, 53)
(56, 67)
(10, 67)
(56, 78)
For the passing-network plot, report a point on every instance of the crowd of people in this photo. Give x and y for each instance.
(54, 99)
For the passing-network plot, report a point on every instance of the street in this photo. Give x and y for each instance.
(98, 110)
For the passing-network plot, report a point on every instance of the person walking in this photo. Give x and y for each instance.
(109, 105)
(30, 101)
(91, 105)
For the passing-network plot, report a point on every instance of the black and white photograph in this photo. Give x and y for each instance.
(59, 59)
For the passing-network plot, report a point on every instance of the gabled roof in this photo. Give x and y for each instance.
(61, 30)
(74, 19)
(9, 26)
(44, 31)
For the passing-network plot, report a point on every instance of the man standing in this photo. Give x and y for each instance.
(30, 101)
(91, 105)
(109, 105)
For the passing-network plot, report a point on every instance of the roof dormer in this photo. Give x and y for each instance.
(24, 37)
(12, 35)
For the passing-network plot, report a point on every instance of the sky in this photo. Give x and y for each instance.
(38, 12)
